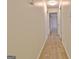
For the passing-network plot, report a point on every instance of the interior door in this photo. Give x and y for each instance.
(53, 23)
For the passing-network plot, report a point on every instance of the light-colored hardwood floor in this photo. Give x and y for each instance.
(53, 49)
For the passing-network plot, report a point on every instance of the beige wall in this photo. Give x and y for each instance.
(66, 28)
(46, 21)
(25, 29)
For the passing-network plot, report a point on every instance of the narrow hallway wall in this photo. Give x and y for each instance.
(66, 27)
(25, 29)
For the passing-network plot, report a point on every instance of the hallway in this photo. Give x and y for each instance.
(53, 49)
(29, 25)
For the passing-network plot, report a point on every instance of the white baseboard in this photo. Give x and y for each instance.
(42, 48)
(66, 51)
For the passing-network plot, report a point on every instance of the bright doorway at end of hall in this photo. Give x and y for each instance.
(53, 22)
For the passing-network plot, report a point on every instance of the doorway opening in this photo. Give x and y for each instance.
(53, 22)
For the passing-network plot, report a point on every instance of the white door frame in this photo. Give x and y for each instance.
(58, 14)
(56, 21)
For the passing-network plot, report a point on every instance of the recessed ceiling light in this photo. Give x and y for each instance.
(52, 3)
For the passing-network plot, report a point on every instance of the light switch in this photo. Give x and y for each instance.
(11, 57)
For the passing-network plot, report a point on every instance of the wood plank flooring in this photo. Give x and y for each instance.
(53, 49)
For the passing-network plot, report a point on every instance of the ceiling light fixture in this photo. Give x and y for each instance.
(52, 3)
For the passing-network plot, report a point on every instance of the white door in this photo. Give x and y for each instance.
(53, 23)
